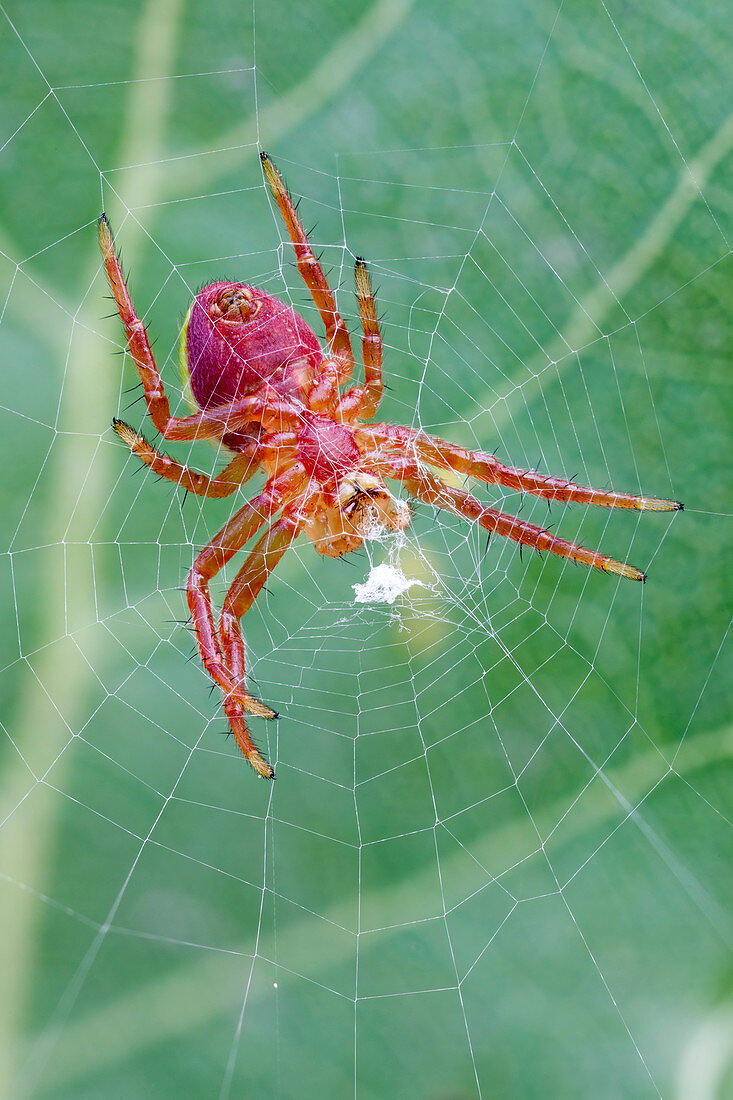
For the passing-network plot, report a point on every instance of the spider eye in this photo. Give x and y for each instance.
(234, 304)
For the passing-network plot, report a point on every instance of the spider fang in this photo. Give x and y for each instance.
(369, 506)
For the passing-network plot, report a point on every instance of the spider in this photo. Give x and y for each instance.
(264, 388)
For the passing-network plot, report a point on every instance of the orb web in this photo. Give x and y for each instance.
(468, 869)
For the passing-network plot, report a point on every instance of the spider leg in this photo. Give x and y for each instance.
(363, 401)
(248, 582)
(337, 335)
(431, 489)
(212, 560)
(279, 448)
(239, 470)
(137, 339)
(272, 412)
(371, 344)
(204, 425)
(325, 390)
(484, 467)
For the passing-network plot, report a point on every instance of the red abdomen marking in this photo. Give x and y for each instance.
(237, 337)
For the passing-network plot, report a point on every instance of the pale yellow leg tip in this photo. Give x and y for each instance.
(652, 504)
(261, 766)
(271, 174)
(260, 710)
(622, 570)
(363, 282)
(253, 706)
(105, 235)
(128, 436)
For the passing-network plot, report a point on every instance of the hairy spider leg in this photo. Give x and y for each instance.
(371, 343)
(434, 491)
(239, 470)
(137, 339)
(261, 407)
(484, 467)
(324, 393)
(263, 558)
(337, 335)
(245, 587)
(279, 449)
(212, 560)
(264, 407)
(361, 402)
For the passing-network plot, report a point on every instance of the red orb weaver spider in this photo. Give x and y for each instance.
(264, 388)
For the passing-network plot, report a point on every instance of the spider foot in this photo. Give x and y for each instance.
(254, 706)
(127, 434)
(242, 736)
(654, 504)
(621, 569)
(105, 236)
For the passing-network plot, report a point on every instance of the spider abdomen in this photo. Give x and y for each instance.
(235, 337)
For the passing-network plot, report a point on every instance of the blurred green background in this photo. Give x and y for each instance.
(496, 860)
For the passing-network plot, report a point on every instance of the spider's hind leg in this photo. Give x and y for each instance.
(337, 336)
(137, 339)
(363, 401)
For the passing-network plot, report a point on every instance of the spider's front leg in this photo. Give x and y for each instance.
(244, 589)
(486, 468)
(212, 559)
(434, 491)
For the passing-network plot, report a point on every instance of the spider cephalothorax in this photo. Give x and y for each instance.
(262, 385)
